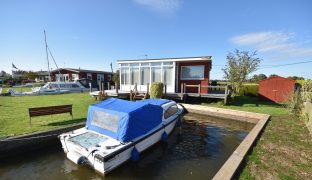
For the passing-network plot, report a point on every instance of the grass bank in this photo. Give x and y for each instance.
(284, 150)
(19, 89)
(14, 119)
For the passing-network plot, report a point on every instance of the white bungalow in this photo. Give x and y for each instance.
(171, 71)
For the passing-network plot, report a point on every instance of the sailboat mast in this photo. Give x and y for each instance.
(45, 39)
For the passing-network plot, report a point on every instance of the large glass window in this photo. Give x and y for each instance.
(135, 75)
(145, 75)
(147, 72)
(168, 75)
(125, 76)
(192, 72)
(156, 74)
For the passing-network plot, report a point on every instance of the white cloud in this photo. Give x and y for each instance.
(276, 42)
(161, 6)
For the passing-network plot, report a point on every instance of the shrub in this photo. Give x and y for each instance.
(248, 90)
(294, 103)
(300, 81)
(157, 89)
(307, 90)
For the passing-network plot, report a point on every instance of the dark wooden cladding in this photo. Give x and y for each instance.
(41, 111)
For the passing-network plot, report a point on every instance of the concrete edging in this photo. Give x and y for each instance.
(229, 168)
(25, 143)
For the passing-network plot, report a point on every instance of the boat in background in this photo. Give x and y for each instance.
(37, 92)
(118, 130)
(72, 86)
(53, 88)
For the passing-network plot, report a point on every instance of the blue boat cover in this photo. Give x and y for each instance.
(124, 120)
(156, 101)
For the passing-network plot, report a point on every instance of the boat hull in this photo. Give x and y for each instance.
(106, 163)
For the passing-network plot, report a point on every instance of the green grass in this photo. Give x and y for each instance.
(20, 89)
(284, 150)
(252, 104)
(14, 118)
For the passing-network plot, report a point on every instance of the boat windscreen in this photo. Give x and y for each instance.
(105, 120)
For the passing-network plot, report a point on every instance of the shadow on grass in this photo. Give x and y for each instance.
(74, 121)
(243, 100)
(237, 101)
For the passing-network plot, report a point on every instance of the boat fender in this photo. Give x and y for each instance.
(76, 158)
(135, 155)
(164, 137)
(179, 122)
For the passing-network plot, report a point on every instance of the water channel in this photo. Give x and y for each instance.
(198, 152)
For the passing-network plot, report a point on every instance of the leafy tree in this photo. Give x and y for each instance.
(116, 77)
(30, 75)
(239, 65)
(258, 77)
(273, 75)
(296, 77)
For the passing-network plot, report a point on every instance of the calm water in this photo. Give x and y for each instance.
(203, 146)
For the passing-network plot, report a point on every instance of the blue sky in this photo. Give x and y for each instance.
(92, 34)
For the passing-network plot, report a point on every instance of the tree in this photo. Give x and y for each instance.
(239, 65)
(258, 77)
(30, 75)
(273, 75)
(296, 77)
(116, 78)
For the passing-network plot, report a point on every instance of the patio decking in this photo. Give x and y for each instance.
(214, 92)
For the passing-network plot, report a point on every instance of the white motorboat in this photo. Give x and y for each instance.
(38, 92)
(118, 130)
(74, 86)
(53, 88)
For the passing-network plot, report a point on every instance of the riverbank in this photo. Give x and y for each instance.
(284, 150)
(14, 118)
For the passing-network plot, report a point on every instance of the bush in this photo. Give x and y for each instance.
(157, 89)
(300, 81)
(294, 103)
(307, 91)
(249, 90)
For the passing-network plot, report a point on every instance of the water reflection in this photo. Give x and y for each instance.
(197, 153)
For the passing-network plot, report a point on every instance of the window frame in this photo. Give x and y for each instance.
(181, 74)
(170, 115)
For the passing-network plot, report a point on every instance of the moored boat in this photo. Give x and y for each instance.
(118, 130)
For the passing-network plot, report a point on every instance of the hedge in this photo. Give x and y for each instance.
(249, 90)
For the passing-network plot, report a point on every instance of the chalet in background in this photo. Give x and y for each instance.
(171, 71)
(71, 74)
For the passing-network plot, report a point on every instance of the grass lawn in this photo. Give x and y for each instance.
(19, 89)
(284, 150)
(14, 118)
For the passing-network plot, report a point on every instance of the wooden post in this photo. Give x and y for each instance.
(108, 85)
(199, 88)
(225, 94)
(147, 86)
(102, 83)
(165, 90)
(99, 86)
(130, 95)
(181, 91)
(90, 85)
(116, 87)
(184, 91)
